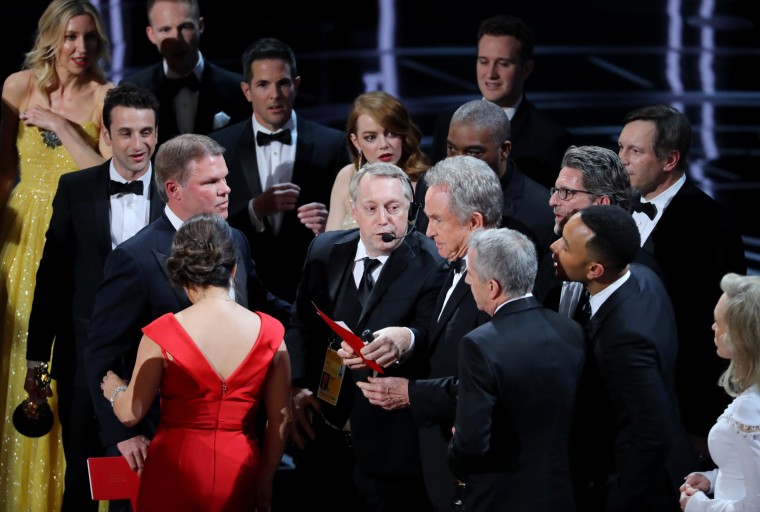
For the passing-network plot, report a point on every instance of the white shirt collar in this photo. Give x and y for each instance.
(176, 221)
(290, 124)
(663, 199)
(145, 178)
(599, 298)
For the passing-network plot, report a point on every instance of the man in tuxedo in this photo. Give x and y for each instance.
(382, 280)
(654, 146)
(633, 450)
(504, 63)
(196, 95)
(518, 377)
(589, 175)
(463, 194)
(479, 128)
(282, 167)
(93, 211)
(135, 290)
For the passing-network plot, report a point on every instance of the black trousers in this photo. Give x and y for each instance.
(79, 431)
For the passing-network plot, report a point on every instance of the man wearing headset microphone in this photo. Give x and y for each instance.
(385, 278)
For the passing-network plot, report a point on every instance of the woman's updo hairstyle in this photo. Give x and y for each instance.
(203, 252)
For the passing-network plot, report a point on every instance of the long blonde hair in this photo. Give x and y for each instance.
(51, 30)
(742, 334)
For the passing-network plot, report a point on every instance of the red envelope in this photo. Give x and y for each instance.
(111, 478)
(349, 337)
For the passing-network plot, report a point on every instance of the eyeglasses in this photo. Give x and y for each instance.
(565, 194)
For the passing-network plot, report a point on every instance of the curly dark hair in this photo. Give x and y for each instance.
(203, 252)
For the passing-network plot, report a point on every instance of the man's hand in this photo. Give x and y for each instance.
(386, 349)
(313, 216)
(277, 198)
(390, 393)
(135, 450)
(304, 402)
(35, 393)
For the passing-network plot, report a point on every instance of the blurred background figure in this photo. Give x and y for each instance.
(734, 440)
(379, 128)
(196, 95)
(51, 125)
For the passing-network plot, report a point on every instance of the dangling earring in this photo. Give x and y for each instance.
(359, 163)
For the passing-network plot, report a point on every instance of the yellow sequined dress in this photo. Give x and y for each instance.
(31, 470)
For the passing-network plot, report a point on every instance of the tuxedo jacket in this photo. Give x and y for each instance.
(320, 153)
(219, 92)
(136, 290)
(692, 277)
(385, 442)
(433, 397)
(538, 141)
(548, 287)
(518, 378)
(526, 207)
(77, 242)
(636, 445)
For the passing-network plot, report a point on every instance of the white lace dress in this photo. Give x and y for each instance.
(734, 443)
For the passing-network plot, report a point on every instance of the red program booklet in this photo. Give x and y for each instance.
(111, 478)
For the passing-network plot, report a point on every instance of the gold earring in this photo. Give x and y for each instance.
(359, 163)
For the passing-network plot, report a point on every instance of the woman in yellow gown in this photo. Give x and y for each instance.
(379, 128)
(51, 119)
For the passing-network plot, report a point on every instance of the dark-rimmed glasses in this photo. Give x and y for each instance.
(565, 194)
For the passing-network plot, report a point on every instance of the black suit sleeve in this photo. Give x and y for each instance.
(629, 368)
(471, 442)
(50, 316)
(115, 328)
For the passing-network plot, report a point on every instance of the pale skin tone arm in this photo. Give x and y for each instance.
(15, 100)
(132, 405)
(277, 400)
(338, 198)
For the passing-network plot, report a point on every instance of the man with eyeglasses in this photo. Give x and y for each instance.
(589, 175)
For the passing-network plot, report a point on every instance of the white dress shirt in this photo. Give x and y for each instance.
(647, 225)
(186, 100)
(275, 162)
(129, 212)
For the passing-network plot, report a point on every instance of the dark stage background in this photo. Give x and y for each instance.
(595, 60)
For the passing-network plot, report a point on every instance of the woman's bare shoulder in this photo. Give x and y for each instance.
(17, 87)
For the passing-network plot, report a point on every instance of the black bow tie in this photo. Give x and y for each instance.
(175, 84)
(649, 208)
(264, 139)
(459, 265)
(132, 187)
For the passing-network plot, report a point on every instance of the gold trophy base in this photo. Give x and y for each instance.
(33, 420)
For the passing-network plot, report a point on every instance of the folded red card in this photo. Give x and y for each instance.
(111, 478)
(349, 337)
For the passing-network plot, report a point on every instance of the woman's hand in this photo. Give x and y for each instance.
(110, 382)
(42, 117)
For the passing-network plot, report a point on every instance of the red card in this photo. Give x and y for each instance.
(111, 478)
(349, 337)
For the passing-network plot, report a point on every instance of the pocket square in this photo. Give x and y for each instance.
(220, 120)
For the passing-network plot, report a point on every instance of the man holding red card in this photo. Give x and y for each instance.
(384, 278)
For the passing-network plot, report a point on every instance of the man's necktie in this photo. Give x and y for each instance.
(175, 84)
(367, 282)
(132, 187)
(264, 139)
(583, 310)
(648, 208)
(459, 265)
